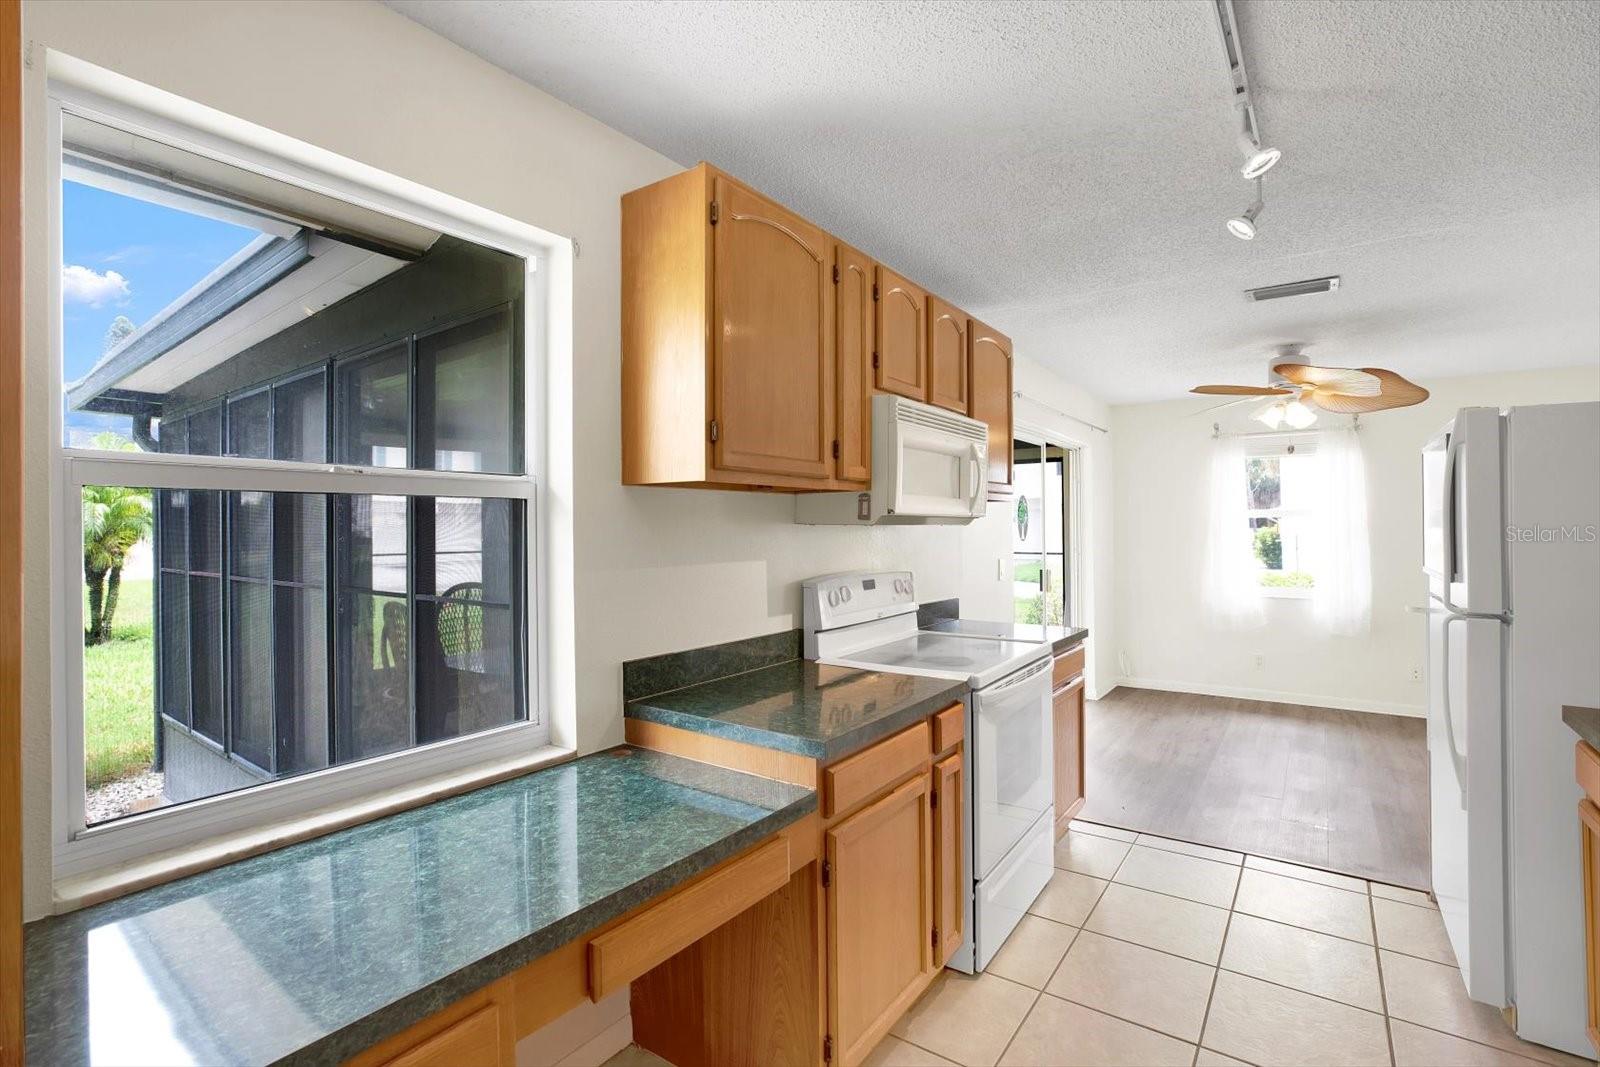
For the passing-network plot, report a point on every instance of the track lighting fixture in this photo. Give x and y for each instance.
(1244, 226)
(1258, 160)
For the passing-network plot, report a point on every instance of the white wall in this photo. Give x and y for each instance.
(653, 570)
(1068, 413)
(1160, 485)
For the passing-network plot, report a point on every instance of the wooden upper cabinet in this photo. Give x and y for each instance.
(949, 870)
(902, 350)
(989, 390)
(947, 356)
(853, 319)
(880, 916)
(772, 374)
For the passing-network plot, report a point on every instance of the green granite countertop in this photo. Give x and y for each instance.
(801, 706)
(311, 953)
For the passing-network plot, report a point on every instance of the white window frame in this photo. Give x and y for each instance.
(1263, 449)
(78, 850)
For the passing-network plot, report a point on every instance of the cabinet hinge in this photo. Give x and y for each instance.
(874, 292)
(714, 431)
(935, 937)
(827, 1049)
(836, 450)
(836, 274)
(716, 212)
(827, 873)
(933, 799)
(874, 361)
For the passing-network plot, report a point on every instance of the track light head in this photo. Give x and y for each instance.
(1244, 226)
(1259, 161)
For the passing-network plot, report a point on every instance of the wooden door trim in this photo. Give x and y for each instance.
(11, 423)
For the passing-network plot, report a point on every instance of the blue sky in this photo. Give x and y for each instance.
(122, 256)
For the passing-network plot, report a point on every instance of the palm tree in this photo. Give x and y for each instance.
(115, 518)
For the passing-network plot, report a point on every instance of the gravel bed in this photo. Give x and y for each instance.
(123, 795)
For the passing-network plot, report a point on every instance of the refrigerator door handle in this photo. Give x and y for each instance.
(1456, 756)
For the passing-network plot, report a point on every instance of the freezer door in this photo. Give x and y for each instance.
(1552, 538)
(1465, 753)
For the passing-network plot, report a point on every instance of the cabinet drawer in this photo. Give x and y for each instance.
(470, 1042)
(949, 727)
(638, 943)
(864, 775)
(1067, 665)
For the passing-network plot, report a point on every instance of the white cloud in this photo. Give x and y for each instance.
(85, 285)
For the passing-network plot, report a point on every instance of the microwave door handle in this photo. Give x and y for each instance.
(975, 471)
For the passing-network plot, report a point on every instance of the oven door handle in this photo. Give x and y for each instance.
(1020, 678)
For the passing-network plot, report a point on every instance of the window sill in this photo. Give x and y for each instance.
(76, 892)
(1285, 592)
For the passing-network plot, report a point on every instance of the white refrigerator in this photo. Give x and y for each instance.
(1511, 507)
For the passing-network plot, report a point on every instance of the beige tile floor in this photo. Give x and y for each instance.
(1149, 951)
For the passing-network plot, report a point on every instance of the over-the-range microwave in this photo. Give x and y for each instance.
(929, 466)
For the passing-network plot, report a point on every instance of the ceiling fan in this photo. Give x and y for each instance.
(1295, 387)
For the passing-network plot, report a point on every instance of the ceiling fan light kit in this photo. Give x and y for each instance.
(1306, 389)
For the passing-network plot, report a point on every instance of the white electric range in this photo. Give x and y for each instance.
(868, 619)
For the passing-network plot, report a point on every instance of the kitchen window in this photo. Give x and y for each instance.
(296, 444)
(1281, 490)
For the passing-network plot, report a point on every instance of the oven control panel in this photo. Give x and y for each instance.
(834, 600)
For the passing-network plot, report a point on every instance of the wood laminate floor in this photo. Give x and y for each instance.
(1345, 791)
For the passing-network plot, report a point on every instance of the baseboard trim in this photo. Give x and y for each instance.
(1276, 696)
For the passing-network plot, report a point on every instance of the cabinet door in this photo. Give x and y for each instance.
(880, 916)
(989, 369)
(947, 356)
(772, 369)
(948, 868)
(1068, 727)
(902, 331)
(853, 350)
(1589, 817)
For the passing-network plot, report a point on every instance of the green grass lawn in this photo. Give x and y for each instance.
(119, 692)
(1026, 572)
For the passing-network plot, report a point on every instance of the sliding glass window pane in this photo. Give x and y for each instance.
(205, 432)
(250, 633)
(465, 547)
(1055, 535)
(299, 537)
(466, 676)
(205, 654)
(172, 517)
(375, 409)
(1027, 532)
(373, 659)
(300, 633)
(174, 680)
(205, 530)
(466, 397)
(250, 425)
(250, 534)
(300, 419)
(175, 435)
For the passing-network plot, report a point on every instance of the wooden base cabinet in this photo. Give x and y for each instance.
(1589, 827)
(879, 882)
(949, 866)
(1067, 725)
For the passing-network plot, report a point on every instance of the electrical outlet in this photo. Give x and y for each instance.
(1261, 661)
(1416, 674)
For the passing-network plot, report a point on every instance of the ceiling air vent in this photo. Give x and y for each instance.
(1310, 285)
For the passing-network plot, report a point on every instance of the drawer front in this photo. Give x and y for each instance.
(949, 727)
(470, 1042)
(866, 774)
(641, 941)
(1067, 666)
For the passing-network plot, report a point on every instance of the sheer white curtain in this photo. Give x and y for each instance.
(1232, 595)
(1342, 598)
